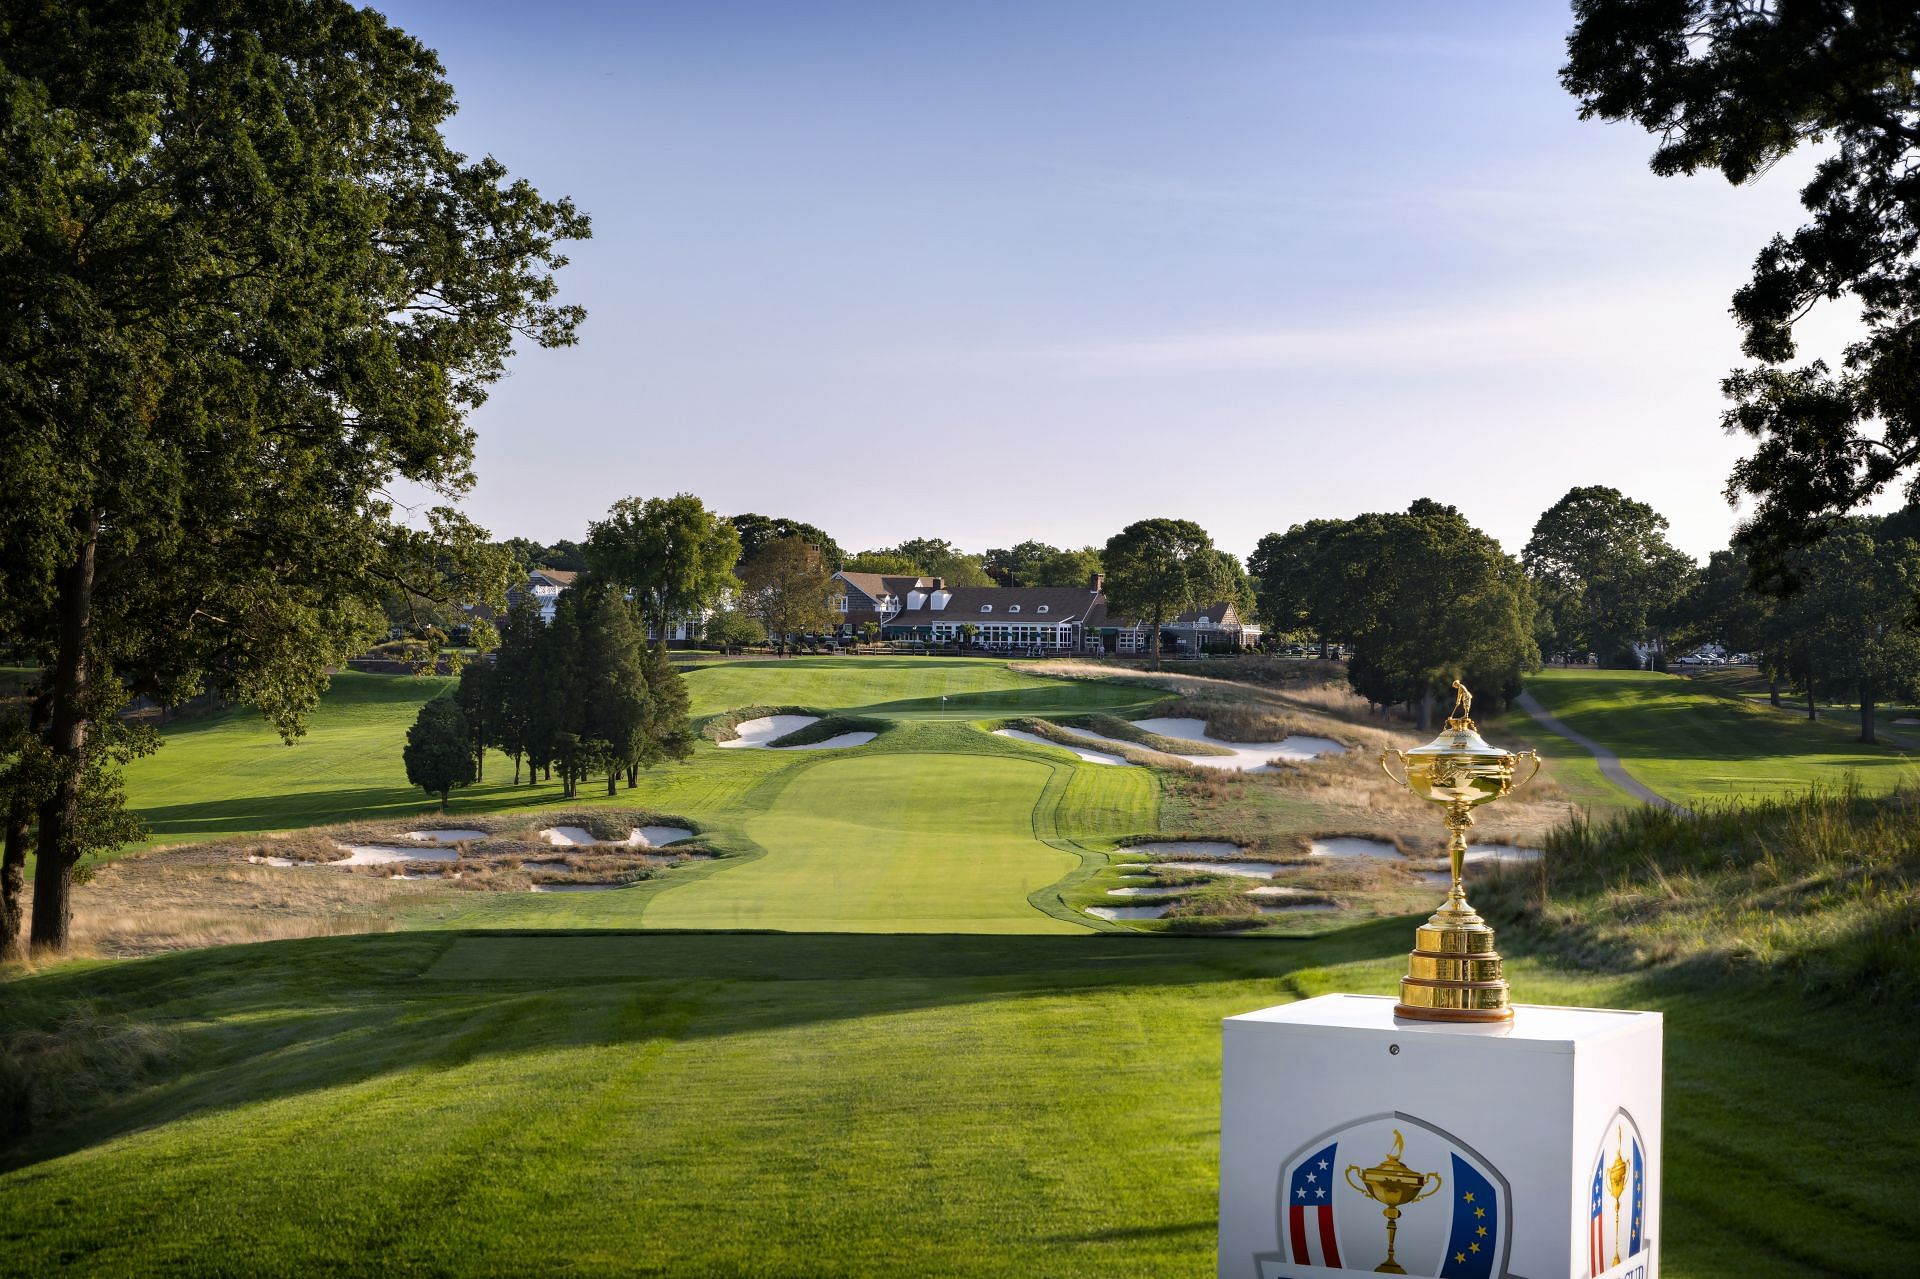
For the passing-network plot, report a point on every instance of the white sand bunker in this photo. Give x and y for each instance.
(558, 867)
(272, 861)
(576, 888)
(1128, 912)
(1141, 892)
(641, 837)
(1505, 853)
(446, 836)
(385, 854)
(760, 734)
(1275, 890)
(1350, 846)
(1246, 870)
(1092, 757)
(1246, 757)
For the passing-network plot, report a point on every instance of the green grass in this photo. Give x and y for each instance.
(1570, 765)
(1696, 744)
(886, 843)
(719, 1104)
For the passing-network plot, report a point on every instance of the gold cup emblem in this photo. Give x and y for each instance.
(1454, 973)
(1393, 1186)
(1616, 1183)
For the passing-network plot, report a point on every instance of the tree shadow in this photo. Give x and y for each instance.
(260, 1022)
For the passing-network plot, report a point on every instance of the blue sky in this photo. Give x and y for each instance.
(989, 272)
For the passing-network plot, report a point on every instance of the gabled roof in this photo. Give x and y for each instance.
(559, 577)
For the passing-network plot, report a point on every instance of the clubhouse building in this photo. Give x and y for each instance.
(1062, 619)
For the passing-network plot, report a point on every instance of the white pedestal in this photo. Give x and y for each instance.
(1521, 1122)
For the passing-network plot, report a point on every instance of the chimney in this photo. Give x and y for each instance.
(1097, 583)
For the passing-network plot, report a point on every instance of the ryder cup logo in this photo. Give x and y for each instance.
(1390, 1194)
(1616, 1202)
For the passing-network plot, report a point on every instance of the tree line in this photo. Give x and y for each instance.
(585, 696)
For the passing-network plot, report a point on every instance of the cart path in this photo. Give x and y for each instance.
(1610, 765)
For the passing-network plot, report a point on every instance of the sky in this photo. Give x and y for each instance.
(991, 272)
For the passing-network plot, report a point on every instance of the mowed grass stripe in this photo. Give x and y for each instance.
(1696, 744)
(885, 843)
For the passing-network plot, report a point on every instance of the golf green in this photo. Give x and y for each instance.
(903, 843)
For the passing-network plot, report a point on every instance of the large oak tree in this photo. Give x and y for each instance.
(1158, 569)
(1735, 86)
(245, 288)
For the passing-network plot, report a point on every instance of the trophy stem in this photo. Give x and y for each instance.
(1459, 821)
(1390, 1266)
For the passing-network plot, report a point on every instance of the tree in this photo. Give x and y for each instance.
(757, 530)
(607, 699)
(734, 627)
(871, 629)
(669, 730)
(968, 631)
(1847, 632)
(1158, 569)
(438, 753)
(926, 557)
(478, 695)
(1601, 564)
(1431, 599)
(1299, 586)
(786, 587)
(1067, 568)
(1736, 87)
(516, 679)
(249, 290)
(672, 553)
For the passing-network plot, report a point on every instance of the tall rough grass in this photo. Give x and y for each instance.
(1821, 890)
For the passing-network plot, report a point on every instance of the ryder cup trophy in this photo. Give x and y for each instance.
(1454, 973)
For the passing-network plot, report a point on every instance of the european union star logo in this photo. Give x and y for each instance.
(1476, 1225)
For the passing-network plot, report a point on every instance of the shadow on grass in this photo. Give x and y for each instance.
(244, 814)
(260, 1022)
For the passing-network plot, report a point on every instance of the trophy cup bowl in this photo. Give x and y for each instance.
(1454, 973)
(1393, 1186)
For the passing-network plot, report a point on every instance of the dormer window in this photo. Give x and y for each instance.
(1206, 621)
(1013, 608)
(1041, 609)
(986, 608)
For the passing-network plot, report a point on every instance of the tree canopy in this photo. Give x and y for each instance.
(1735, 87)
(757, 530)
(1158, 569)
(672, 553)
(785, 587)
(1038, 564)
(925, 557)
(438, 755)
(1604, 572)
(249, 289)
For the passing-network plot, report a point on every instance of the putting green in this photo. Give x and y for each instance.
(886, 843)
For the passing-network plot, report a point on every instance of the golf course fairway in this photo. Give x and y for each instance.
(905, 843)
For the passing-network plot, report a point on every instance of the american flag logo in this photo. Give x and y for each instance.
(1616, 1228)
(1328, 1227)
(1310, 1236)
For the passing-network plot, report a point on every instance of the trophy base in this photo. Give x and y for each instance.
(1414, 1012)
(1454, 973)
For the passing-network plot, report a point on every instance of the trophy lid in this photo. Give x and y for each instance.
(1461, 736)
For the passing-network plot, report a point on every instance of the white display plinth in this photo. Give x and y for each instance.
(1512, 1131)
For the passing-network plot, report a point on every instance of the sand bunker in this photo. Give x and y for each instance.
(385, 854)
(446, 836)
(559, 867)
(1092, 757)
(1505, 853)
(1141, 892)
(1246, 870)
(760, 734)
(642, 837)
(1350, 846)
(273, 861)
(1275, 890)
(1128, 912)
(1246, 757)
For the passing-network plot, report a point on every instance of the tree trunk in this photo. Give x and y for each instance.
(1773, 690)
(1866, 717)
(1153, 645)
(13, 872)
(67, 738)
(613, 783)
(443, 801)
(1426, 711)
(1813, 711)
(633, 776)
(480, 764)
(516, 768)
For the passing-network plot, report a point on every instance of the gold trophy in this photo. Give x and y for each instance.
(1617, 1182)
(1454, 973)
(1392, 1185)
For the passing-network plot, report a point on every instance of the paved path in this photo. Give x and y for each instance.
(1610, 765)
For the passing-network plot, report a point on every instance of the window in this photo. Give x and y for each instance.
(839, 603)
(986, 608)
(1206, 621)
(1013, 608)
(1041, 609)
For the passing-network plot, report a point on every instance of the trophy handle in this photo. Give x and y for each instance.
(1531, 755)
(1357, 1185)
(1384, 756)
(1429, 1191)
